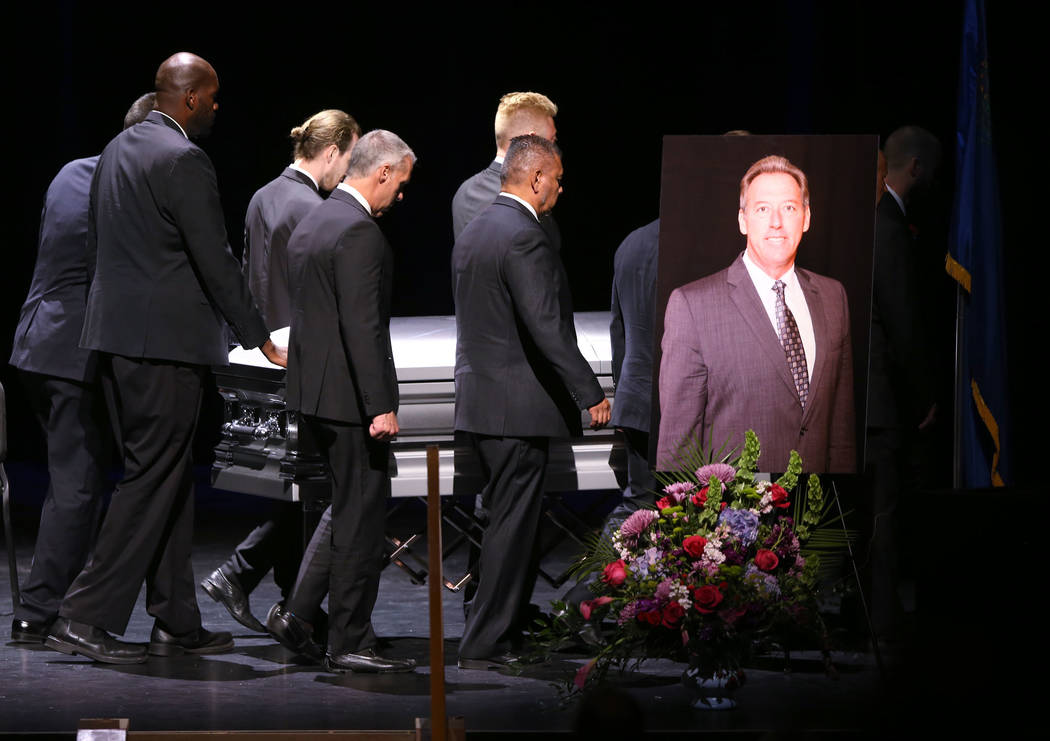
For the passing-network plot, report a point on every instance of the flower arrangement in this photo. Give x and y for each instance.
(720, 566)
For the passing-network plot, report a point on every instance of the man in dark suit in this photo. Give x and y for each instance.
(323, 144)
(761, 345)
(631, 335)
(61, 380)
(164, 274)
(520, 380)
(902, 407)
(517, 114)
(341, 378)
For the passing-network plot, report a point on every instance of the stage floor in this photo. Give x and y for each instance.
(261, 686)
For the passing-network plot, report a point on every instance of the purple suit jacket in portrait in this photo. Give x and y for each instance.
(724, 371)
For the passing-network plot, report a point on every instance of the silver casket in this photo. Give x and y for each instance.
(263, 452)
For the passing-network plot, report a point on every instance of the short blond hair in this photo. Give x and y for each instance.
(519, 113)
(771, 165)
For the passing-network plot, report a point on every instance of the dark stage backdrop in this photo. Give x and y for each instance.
(623, 76)
(700, 234)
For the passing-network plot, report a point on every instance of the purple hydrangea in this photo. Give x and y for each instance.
(721, 471)
(743, 524)
(767, 583)
(649, 559)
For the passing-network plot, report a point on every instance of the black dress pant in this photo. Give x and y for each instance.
(311, 583)
(360, 489)
(73, 417)
(148, 531)
(513, 496)
(273, 544)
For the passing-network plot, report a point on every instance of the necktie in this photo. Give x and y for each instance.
(791, 341)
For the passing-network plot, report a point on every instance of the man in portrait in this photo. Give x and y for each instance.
(762, 344)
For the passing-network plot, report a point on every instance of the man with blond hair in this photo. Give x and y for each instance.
(761, 345)
(518, 114)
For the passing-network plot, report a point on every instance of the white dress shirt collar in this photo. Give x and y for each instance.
(356, 194)
(173, 121)
(304, 172)
(522, 201)
(897, 198)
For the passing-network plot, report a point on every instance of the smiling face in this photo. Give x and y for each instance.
(773, 218)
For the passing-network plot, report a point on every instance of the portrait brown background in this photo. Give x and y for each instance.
(699, 233)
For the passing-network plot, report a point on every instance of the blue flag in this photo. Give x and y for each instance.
(975, 261)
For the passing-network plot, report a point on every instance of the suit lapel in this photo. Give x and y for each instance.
(300, 177)
(745, 297)
(342, 196)
(815, 304)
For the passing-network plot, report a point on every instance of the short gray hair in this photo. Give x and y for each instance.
(375, 149)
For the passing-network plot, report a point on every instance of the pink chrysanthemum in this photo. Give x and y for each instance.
(721, 471)
(679, 490)
(636, 524)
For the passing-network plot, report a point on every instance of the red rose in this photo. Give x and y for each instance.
(672, 614)
(664, 503)
(589, 605)
(700, 497)
(615, 573)
(766, 560)
(779, 496)
(694, 545)
(706, 598)
(652, 617)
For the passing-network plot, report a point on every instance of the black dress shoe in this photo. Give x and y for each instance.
(499, 661)
(73, 638)
(199, 641)
(29, 631)
(367, 662)
(293, 633)
(229, 594)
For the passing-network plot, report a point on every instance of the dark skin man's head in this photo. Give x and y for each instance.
(187, 87)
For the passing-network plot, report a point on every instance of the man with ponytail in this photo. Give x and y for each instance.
(321, 152)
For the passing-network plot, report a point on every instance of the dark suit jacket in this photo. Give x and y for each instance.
(477, 193)
(164, 272)
(900, 384)
(519, 371)
(340, 360)
(724, 368)
(272, 215)
(47, 339)
(631, 329)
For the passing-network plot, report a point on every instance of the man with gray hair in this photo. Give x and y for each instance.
(322, 148)
(61, 380)
(341, 379)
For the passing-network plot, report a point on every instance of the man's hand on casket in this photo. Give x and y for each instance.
(275, 354)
